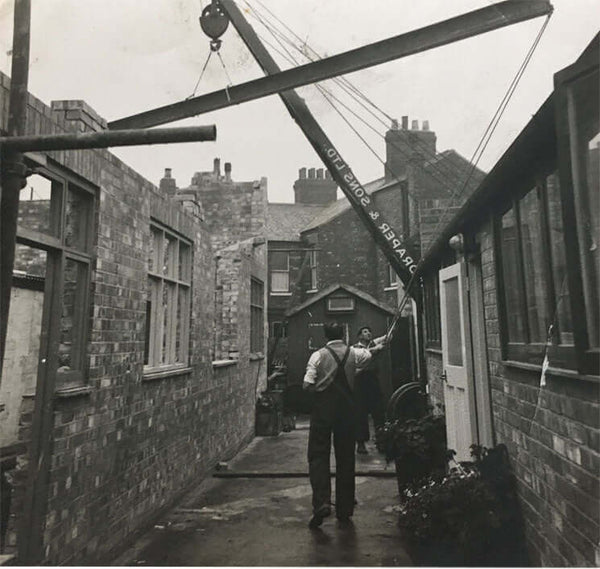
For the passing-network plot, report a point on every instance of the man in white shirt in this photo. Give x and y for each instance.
(330, 373)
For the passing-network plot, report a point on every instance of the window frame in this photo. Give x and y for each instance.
(392, 278)
(257, 315)
(154, 353)
(279, 271)
(59, 253)
(588, 358)
(561, 356)
(432, 314)
(341, 310)
(312, 261)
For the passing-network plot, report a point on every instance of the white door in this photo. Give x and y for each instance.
(460, 413)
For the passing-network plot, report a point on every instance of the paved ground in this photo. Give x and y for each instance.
(261, 519)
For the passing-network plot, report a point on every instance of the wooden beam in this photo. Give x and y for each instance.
(108, 138)
(455, 29)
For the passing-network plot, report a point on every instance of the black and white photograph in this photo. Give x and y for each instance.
(300, 283)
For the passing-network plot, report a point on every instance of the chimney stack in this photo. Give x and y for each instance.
(408, 146)
(168, 185)
(228, 171)
(318, 188)
(217, 167)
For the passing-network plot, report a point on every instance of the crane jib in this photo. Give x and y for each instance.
(351, 187)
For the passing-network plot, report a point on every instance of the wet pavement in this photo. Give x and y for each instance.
(256, 512)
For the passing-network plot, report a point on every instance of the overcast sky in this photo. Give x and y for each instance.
(125, 56)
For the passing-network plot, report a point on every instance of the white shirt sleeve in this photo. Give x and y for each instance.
(310, 377)
(362, 356)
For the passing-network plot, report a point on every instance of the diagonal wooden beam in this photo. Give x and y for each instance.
(467, 25)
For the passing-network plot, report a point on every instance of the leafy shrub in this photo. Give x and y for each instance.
(468, 517)
(418, 447)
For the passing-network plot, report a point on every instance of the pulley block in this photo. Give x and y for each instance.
(214, 22)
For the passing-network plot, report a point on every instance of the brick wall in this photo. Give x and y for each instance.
(552, 434)
(131, 445)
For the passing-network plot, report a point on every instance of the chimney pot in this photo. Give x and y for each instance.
(228, 171)
(425, 125)
(302, 173)
(394, 124)
(311, 173)
(217, 166)
(415, 125)
(168, 172)
(405, 123)
(320, 173)
(327, 175)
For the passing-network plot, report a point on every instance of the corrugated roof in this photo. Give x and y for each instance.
(286, 220)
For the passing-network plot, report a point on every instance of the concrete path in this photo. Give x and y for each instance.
(261, 519)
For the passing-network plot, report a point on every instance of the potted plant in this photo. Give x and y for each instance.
(470, 517)
(417, 447)
(268, 416)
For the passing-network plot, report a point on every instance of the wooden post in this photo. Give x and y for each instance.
(13, 169)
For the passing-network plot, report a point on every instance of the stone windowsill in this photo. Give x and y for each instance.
(312, 291)
(436, 351)
(152, 374)
(76, 391)
(281, 294)
(390, 288)
(257, 356)
(552, 371)
(224, 363)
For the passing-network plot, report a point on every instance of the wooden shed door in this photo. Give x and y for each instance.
(460, 416)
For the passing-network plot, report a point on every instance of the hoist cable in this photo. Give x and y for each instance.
(493, 123)
(481, 147)
(445, 171)
(201, 74)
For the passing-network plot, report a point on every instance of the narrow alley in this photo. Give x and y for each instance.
(261, 519)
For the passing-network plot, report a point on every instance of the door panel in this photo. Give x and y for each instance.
(460, 411)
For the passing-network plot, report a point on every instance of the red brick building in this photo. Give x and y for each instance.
(511, 318)
(320, 242)
(135, 344)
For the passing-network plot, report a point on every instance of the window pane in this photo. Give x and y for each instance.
(256, 316)
(72, 316)
(536, 287)
(585, 136)
(29, 261)
(515, 323)
(184, 261)
(79, 205)
(280, 281)
(39, 205)
(453, 325)
(181, 325)
(564, 320)
(170, 250)
(279, 261)
(155, 250)
(340, 303)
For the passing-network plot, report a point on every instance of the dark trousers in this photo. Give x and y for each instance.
(369, 401)
(333, 413)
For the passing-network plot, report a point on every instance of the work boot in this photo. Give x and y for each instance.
(361, 448)
(319, 515)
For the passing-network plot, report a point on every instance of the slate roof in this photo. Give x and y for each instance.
(332, 288)
(341, 205)
(445, 175)
(440, 177)
(285, 221)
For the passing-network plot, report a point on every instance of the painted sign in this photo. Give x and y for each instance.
(356, 193)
